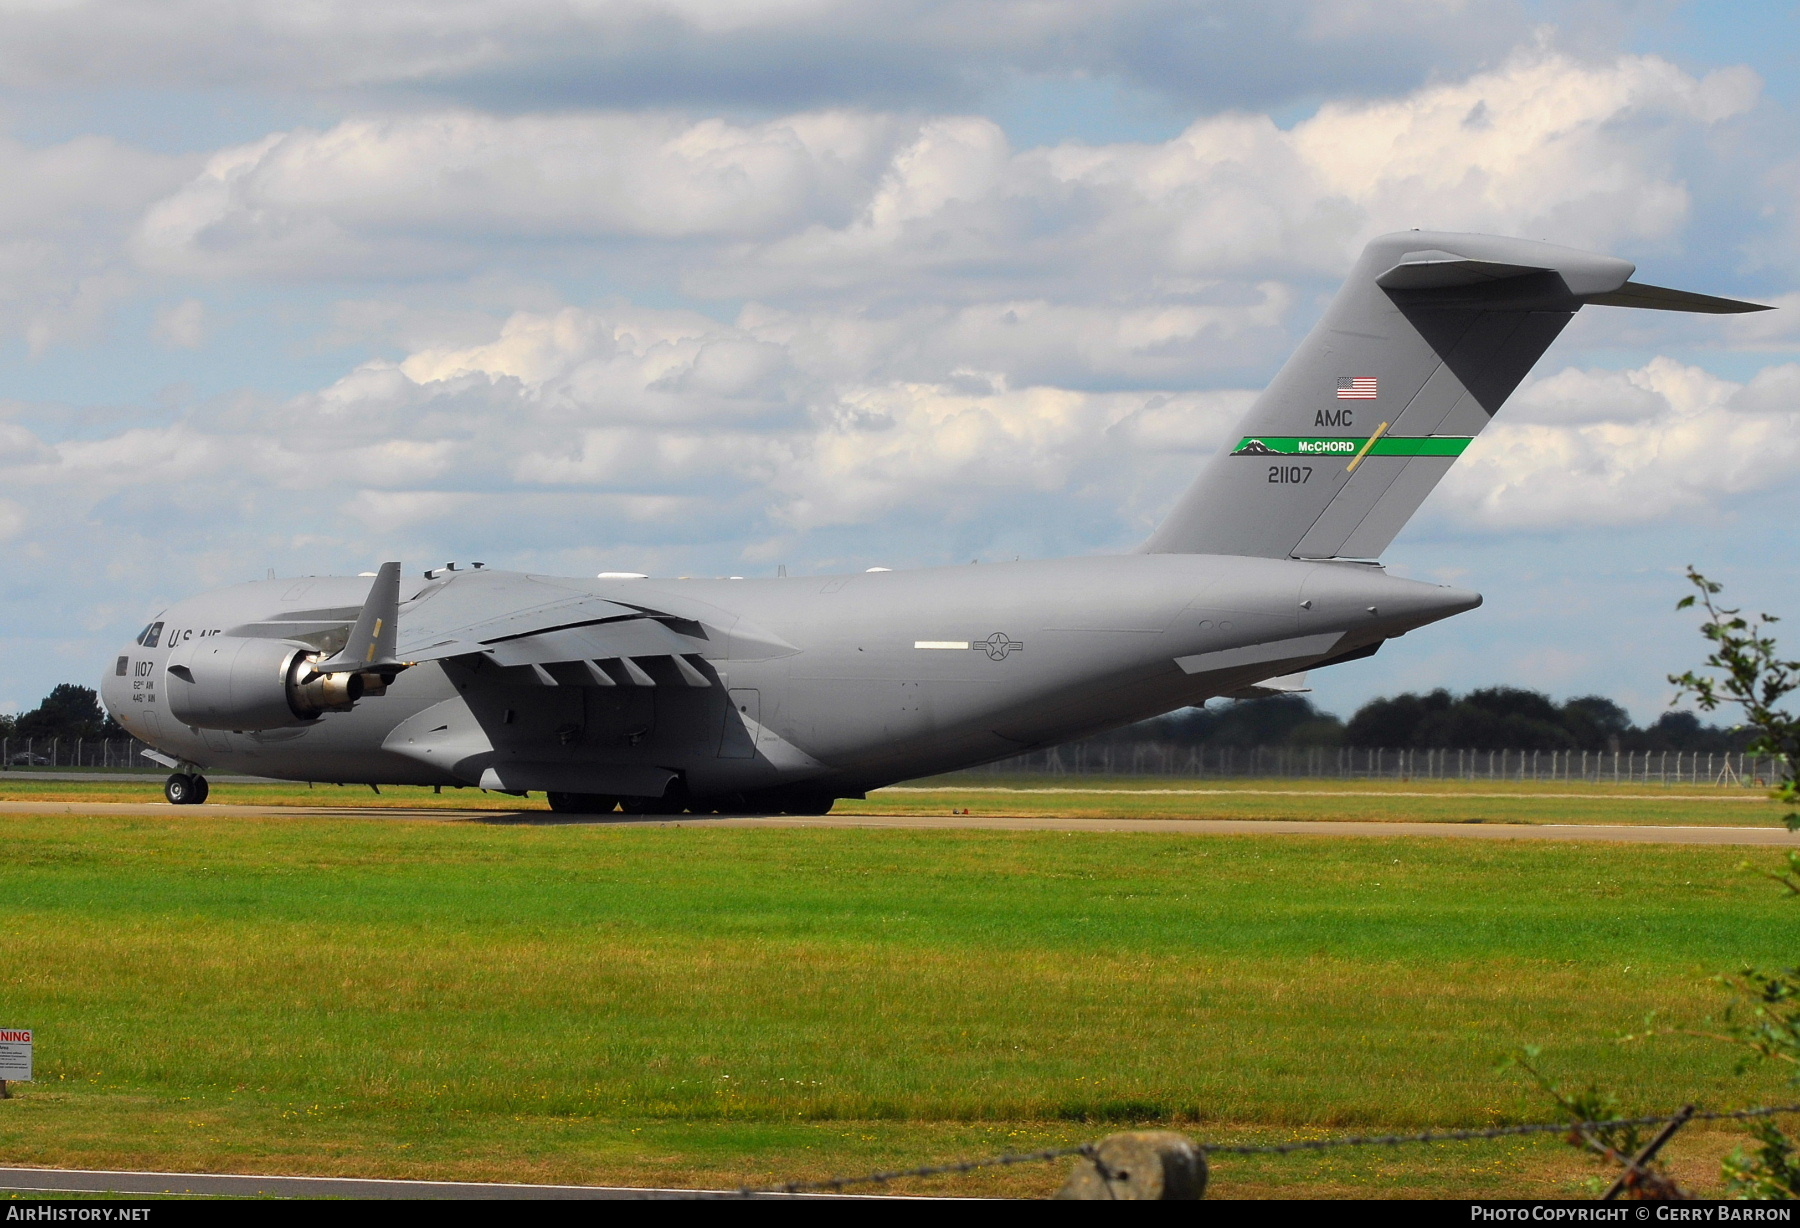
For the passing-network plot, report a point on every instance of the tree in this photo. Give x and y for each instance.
(1492, 718)
(1745, 670)
(1497, 718)
(1510, 718)
(1597, 723)
(69, 712)
(1396, 721)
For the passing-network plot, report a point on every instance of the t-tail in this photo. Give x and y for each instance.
(1428, 337)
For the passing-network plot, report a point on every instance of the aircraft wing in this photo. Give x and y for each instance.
(610, 647)
(513, 620)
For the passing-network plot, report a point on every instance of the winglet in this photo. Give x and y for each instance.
(372, 639)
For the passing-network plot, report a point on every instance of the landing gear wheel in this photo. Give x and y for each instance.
(184, 790)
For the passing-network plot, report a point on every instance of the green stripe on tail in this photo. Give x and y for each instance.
(1347, 446)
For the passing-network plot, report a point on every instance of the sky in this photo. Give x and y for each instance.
(697, 287)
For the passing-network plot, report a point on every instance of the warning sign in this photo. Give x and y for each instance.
(15, 1055)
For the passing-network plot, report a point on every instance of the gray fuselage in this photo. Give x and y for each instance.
(840, 683)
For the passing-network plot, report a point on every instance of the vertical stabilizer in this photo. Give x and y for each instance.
(1428, 337)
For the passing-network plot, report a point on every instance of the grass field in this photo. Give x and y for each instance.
(1093, 796)
(676, 1005)
(1415, 801)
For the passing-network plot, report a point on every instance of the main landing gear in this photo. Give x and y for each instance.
(184, 790)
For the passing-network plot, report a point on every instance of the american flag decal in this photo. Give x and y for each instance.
(1360, 388)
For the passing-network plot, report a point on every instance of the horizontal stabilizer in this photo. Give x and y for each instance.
(1660, 298)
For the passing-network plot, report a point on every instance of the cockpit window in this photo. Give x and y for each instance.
(149, 635)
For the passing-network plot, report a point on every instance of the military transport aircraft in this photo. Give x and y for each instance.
(782, 695)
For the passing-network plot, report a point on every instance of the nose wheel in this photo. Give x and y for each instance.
(184, 790)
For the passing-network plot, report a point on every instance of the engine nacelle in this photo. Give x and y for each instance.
(227, 682)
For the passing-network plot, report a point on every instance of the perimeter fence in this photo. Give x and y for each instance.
(1360, 763)
(74, 753)
(1172, 759)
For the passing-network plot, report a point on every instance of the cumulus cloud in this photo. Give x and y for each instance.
(934, 337)
(641, 402)
(1545, 146)
(871, 206)
(64, 218)
(770, 52)
(1630, 447)
(570, 432)
(670, 436)
(408, 194)
(181, 325)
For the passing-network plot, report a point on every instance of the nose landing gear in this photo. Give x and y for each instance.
(184, 790)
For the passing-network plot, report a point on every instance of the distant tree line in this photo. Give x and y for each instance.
(68, 712)
(1493, 718)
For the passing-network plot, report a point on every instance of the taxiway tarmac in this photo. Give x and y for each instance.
(244, 1185)
(1607, 832)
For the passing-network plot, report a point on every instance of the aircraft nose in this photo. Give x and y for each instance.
(115, 682)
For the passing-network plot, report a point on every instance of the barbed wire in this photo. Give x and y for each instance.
(1090, 1149)
(929, 1170)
